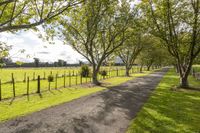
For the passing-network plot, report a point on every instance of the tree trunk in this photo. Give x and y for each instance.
(184, 82)
(148, 68)
(184, 72)
(177, 68)
(141, 68)
(127, 72)
(94, 77)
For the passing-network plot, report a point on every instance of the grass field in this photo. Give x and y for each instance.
(169, 111)
(197, 68)
(21, 87)
(22, 73)
(21, 106)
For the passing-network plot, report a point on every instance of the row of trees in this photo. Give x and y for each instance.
(99, 29)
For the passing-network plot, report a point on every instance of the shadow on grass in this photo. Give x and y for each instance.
(169, 111)
(11, 101)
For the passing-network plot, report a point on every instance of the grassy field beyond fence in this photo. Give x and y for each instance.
(62, 78)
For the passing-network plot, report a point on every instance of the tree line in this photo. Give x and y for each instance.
(151, 32)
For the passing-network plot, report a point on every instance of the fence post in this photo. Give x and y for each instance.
(64, 78)
(25, 77)
(12, 76)
(13, 83)
(38, 84)
(76, 79)
(117, 72)
(0, 91)
(56, 81)
(44, 76)
(81, 79)
(27, 85)
(69, 79)
(33, 75)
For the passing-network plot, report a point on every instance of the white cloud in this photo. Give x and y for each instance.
(36, 47)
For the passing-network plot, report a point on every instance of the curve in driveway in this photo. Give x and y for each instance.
(109, 111)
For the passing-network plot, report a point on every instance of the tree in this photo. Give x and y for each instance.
(24, 14)
(60, 63)
(130, 50)
(65, 63)
(19, 63)
(4, 52)
(95, 30)
(176, 23)
(36, 61)
(152, 53)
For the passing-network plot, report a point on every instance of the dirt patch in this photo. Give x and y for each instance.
(109, 111)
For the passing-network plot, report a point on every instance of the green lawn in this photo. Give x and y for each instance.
(24, 105)
(169, 111)
(196, 68)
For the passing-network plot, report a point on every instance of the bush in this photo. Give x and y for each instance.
(50, 78)
(103, 73)
(85, 71)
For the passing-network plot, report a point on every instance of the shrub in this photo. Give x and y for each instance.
(85, 71)
(103, 73)
(50, 78)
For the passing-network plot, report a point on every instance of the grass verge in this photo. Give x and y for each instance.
(22, 106)
(169, 111)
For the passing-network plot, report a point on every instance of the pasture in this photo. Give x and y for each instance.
(63, 77)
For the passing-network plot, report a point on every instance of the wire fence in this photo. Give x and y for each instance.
(40, 83)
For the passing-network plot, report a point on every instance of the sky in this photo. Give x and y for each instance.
(35, 47)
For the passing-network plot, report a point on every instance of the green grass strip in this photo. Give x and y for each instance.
(169, 111)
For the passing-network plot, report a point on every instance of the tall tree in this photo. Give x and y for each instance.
(36, 61)
(95, 30)
(152, 53)
(130, 50)
(24, 14)
(176, 23)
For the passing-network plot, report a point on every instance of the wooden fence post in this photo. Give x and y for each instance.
(0, 91)
(27, 85)
(12, 76)
(25, 77)
(56, 86)
(64, 78)
(76, 79)
(81, 79)
(38, 84)
(13, 81)
(33, 75)
(69, 79)
(44, 76)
